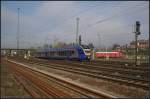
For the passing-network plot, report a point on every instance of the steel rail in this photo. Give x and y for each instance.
(28, 89)
(99, 64)
(123, 71)
(81, 87)
(53, 92)
(92, 71)
(119, 79)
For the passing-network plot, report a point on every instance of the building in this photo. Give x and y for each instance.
(142, 44)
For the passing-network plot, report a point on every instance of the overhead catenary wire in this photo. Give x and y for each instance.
(82, 14)
(113, 16)
(86, 11)
(124, 25)
(75, 15)
(128, 25)
(21, 3)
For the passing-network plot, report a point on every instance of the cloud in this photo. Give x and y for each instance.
(58, 18)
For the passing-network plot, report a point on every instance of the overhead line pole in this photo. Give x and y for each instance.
(18, 30)
(115, 15)
(4, 28)
(77, 31)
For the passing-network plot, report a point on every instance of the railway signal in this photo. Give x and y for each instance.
(137, 32)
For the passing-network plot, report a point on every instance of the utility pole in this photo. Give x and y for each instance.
(137, 32)
(18, 30)
(77, 31)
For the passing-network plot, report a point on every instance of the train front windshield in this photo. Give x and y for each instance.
(88, 53)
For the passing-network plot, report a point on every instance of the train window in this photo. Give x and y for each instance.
(73, 52)
(62, 53)
(65, 53)
(70, 53)
(46, 53)
(52, 53)
(49, 54)
(59, 53)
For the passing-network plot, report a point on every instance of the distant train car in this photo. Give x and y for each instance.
(71, 52)
(109, 54)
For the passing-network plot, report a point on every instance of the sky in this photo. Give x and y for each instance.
(102, 23)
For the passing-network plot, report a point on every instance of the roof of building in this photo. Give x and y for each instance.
(140, 42)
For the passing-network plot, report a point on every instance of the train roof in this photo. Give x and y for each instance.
(60, 49)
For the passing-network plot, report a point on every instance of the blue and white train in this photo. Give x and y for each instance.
(70, 52)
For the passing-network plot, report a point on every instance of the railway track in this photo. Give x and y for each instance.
(129, 72)
(123, 66)
(29, 87)
(139, 83)
(102, 75)
(48, 89)
(31, 74)
(124, 72)
(118, 66)
(144, 64)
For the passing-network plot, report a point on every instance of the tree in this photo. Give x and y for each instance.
(91, 45)
(115, 46)
(45, 45)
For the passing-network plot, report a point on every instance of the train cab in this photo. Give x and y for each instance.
(87, 51)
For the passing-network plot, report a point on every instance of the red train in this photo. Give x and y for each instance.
(109, 54)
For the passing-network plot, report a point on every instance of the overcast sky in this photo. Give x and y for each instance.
(101, 22)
